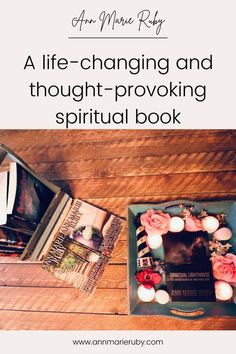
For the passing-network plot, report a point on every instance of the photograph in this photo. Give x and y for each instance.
(118, 230)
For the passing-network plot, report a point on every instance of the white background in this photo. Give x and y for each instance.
(175, 342)
(194, 29)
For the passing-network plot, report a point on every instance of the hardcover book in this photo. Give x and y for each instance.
(188, 268)
(24, 199)
(40, 222)
(28, 198)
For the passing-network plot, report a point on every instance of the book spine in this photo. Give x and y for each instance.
(44, 228)
(55, 253)
(72, 218)
(94, 275)
(42, 254)
(111, 236)
(11, 249)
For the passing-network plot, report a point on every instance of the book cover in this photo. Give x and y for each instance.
(188, 268)
(83, 245)
(27, 200)
(24, 200)
(31, 197)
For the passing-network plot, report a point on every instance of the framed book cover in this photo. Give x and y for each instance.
(178, 268)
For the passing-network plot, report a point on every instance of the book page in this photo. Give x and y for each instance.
(3, 197)
(12, 186)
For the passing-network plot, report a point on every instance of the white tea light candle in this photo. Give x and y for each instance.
(223, 234)
(145, 294)
(162, 297)
(210, 224)
(176, 224)
(154, 241)
(223, 290)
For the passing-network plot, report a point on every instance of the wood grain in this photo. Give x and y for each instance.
(29, 320)
(33, 275)
(108, 301)
(118, 205)
(112, 169)
(223, 182)
(140, 166)
(52, 146)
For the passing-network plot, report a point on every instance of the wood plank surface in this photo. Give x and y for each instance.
(33, 275)
(112, 169)
(54, 146)
(144, 186)
(118, 205)
(103, 301)
(29, 320)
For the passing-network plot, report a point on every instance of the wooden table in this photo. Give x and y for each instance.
(112, 169)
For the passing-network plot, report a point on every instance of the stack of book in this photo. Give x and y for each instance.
(23, 201)
(40, 222)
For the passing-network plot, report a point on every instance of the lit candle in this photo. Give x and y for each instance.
(145, 294)
(223, 290)
(223, 234)
(176, 224)
(162, 297)
(210, 224)
(154, 241)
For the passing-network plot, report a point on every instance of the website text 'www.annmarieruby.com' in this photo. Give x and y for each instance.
(118, 342)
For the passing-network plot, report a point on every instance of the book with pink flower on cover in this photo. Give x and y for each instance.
(82, 246)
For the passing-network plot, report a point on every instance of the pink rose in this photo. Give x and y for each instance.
(193, 224)
(155, 221)
(224, 267)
